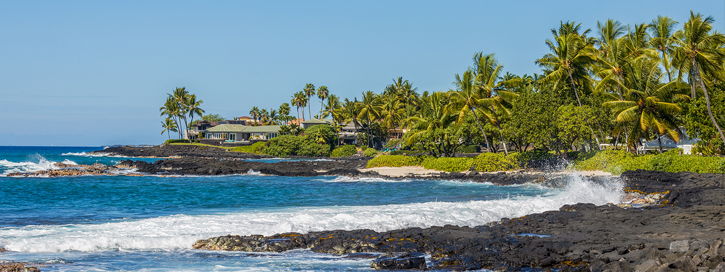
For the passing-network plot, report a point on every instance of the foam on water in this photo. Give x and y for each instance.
(181, 231)
(91, 155)
(351, 179)
(37, 163)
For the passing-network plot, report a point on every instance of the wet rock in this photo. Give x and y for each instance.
(397, 261)
(6, 266)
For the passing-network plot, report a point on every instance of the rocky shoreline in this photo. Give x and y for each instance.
(684, 231)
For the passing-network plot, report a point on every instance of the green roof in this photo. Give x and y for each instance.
(318, 121)
(244, 129)
(227, 128)
(262, 129)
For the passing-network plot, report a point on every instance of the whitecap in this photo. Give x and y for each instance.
(181, 231)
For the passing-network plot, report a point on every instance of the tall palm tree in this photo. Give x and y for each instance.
(171, 110)
(179, 96)
(168, 125)
(273, 117)
(295, 102)
(466, 100)
(570, 55)
(391, 112)
(263, 116)
(699, 51)
(194, 107)
(370, 109)
(322, 93)
(309, 92)
(648, 104)
(302, 100)
(433, 115)
(350, 111)
(255, 114)
(492, 93)
(663, 38)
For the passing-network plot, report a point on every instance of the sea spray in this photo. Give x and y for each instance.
(180, 231)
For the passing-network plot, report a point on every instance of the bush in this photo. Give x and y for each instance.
(618, 161)
(255, 148)
(283, 146)
(370, 152)
(344, 151)
(490, 162)
(394, 161)
(448, 164)
(533, 158)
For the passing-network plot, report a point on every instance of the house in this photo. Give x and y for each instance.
(348, 133)
(235, 134)
(686, 143)
(315, 122)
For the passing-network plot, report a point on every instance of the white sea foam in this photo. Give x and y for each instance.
(181, 231)
(92, 155)
(254, 173)
(351, 179)
(29, 166)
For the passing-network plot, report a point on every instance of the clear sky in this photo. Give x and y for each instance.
(94, 73)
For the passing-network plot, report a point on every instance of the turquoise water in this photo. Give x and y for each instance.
(112, 223)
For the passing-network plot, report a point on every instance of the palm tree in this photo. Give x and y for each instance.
(264, 116)
(370, 109)
(179, 96)
(491, 91)
(333, 109)
(350, 111)
(194, 107)
(309, 92)
(699, 51)
(465, 100)
(255, 114)
(168, 125)
(322, 93)
(302, 101)
(433, 115)
(171, 110)
(273, 117)
(570, 55)
(295, 102)
(648, 104)
(391, 112)
(663, 38)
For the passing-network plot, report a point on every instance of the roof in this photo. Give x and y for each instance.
(244, 129)
(227, 128)
(318, 121)
(244, 117)
(669, 143)
(262, 129)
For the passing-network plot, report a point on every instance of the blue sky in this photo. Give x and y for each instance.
(94, 73)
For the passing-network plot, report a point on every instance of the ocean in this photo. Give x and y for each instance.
(124, 223)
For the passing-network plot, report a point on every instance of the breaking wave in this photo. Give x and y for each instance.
(181, 231)
(37, 163)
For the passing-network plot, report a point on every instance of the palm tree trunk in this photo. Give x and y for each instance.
(482, 132)
(659, 141)
(576, 92)
(707, 102)
(309, 107)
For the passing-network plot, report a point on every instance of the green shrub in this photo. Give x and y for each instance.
(618, 161)
(394, 161)
(491, 162)
(344, 151)
(312, 149)
(370, 152)
(255, 148)
(532, 158)
(283, 146)
(448, 164)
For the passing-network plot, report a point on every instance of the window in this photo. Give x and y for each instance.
(233, 136)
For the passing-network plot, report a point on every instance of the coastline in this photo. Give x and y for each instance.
(661, 214)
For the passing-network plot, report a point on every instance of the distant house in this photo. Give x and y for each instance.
(239, 134)
(315, 122)
(686, 143)
(348, 133)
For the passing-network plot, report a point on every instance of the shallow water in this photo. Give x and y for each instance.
(103, 223)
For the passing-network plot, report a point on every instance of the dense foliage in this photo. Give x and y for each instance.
(344, 151)
(448, 164)
(255, 148)
(617, 161)
(394, 161)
